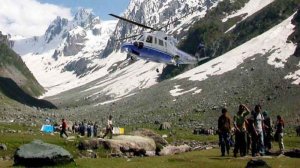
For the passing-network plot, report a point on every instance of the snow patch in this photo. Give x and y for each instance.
(295, 76)
(249, 9)
(197, 91)
(177, 91)
(114, 100)
(139, 75)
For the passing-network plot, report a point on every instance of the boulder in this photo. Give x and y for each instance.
(37, 153)
(89, 144)
(3, 147)
(165, 126)
(137, 145)
(295, 153)
(171, 150)
(257, 163)
(159, 140)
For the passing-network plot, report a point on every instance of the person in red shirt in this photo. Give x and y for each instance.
(63, 128)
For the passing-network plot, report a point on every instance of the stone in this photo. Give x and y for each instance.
(123, 144)
(253, 163)
(89, 144)
(164, 136)
(38, 154)
(165, 126)
(159, 141)
(3, 147)
(295, 153)
(171, 150)
(71, 138)
(7, 158)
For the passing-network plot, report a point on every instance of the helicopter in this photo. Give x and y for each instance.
(156, 46)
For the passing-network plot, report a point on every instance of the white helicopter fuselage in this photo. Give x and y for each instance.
(157, 46)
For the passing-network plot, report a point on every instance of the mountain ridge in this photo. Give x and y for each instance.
(17, 84)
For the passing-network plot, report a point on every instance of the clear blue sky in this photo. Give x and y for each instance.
(100, 7)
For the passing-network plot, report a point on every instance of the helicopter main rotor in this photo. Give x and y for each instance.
(145, 26)
(133, 22)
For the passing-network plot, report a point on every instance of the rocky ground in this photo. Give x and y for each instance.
(252, 82)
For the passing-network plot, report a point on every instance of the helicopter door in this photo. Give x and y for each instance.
(161, 45)
(166, 47)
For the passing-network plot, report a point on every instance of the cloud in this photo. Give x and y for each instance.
(28, 17)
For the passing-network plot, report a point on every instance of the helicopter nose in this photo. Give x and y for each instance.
(124, 48)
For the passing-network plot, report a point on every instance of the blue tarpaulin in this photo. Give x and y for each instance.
(47, 128)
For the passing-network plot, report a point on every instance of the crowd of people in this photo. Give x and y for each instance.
(88, 128)
(253, 132)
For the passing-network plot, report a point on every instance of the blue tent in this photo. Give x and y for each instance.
(47, 128)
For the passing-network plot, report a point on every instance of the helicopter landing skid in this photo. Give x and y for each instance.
(133, 57)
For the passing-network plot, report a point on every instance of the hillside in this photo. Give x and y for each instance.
(16, 81)
(256, 67)
(262, 70)
(231, 24)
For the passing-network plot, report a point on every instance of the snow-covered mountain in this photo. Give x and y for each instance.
(68, 51)
(68, 54)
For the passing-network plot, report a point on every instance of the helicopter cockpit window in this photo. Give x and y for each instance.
(149, 39)
(141, 38)
(160, 42)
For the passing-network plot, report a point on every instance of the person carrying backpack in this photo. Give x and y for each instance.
(224, 127)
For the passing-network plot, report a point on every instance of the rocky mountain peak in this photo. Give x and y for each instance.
(86, 18)
(55, 28)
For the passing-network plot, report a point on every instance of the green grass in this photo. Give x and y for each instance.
(14, 140)
(174, 134)
(207, 158)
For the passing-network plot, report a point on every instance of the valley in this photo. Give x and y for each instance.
(76, 71)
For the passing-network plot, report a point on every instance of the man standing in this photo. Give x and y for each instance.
(95, 129)
(240, 131)
(224, 127)
(63, 128)
(109, 127)
(257, 135)
(267, 132)
(279, 133)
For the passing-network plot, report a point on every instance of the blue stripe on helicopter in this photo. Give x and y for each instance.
(149, 53)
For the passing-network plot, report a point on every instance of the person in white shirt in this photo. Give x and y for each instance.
(258, 133)
(109, 127)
